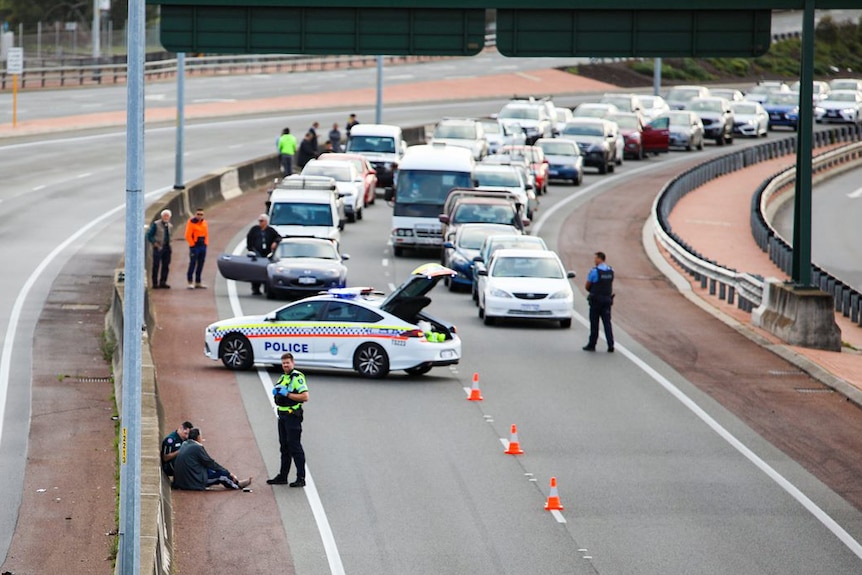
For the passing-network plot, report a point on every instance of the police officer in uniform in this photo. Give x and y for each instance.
(290, 392)
(171, 445)
(600, 286)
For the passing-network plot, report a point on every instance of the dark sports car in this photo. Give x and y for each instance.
(299, 267)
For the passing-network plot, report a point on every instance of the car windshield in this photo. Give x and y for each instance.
(473, 237)
(680, 120)
(519, 242)
(455, 131)
(705, 106)
(846, 97)
(628, 122)
(428, 187)
(322, 250)
(519, 113)
(502, 178)
(621, 102)
(844, 84)
(491, 127)
(582, 130)
(524, 267)
(681, 94)
(484, 214)
(300, 214)
(591, 111)
(337, 173)
(745, 109)
(783, 98)
(559, 148)
(379, 144)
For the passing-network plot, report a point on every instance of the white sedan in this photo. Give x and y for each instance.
(526, 284)
(349, 328)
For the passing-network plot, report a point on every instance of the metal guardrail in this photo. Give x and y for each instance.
(848, 301)
(744, 289)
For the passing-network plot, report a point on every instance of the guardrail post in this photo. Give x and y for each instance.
(854, 307)
(703, 281)
(845, 303)
(837, 290)
(731, 294)
(722, 291)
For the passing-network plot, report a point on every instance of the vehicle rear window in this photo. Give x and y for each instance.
(455, 132)
(300, 214)
(559, 149)
(522, 267)
(322, 250)
(379, 144)
(504, 179)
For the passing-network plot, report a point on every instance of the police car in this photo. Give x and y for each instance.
(349, 328)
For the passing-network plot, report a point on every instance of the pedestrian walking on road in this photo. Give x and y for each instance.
(600, 286)
(195, 470)
(197, 236)
(171, 446)
(159, 236)
(289, 393)
(351, 121)
(307, 150)
(261, 239)
(335, 138)
(286, 151)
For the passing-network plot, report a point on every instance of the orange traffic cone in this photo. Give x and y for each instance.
(553, 503)
(514, 445)
(475, 393)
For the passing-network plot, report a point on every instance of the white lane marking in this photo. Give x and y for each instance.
(505, 67)
(791, 489)
(391, 286)
(336, 567)
(467, 77)
(84, 175)
(401, 77)
(385, 262)
(213, 100)
(528, 77)
(856, 194)
(15, 316)
(37, 188)
(559, 517)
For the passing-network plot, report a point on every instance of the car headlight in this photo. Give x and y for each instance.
(331, 273)
(635, 136)
(819, 110)
(750, 122)
(458, 259)
(497, 292)
(562, 294)
(848, 110)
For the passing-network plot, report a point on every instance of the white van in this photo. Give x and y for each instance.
(306, 206)
(425, 176)
(383, 145)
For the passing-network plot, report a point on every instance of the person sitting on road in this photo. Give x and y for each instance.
(195, 470)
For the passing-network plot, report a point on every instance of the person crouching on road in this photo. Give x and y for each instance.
(262, 239)
(195, 470)
(197, 236)
(159, 236)
(600, 286)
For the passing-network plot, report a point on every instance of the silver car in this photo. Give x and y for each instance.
(840, 106)
(686, 130)
(749, 119)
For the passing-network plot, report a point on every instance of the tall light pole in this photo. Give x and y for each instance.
(97, 28)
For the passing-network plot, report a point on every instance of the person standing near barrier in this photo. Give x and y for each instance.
(313, 131)
(197, 236)
(335, 138)
(159, 236)
(351, 121)
(289, 393)
(286, 151)
(307, 150)
(600, 286)
(261, 239)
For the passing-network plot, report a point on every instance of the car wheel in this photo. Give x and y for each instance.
(579, 180)
(371, 361)
(611, 168)
(236, 353)
(640, 155)
(688, 146)
(475, 296)
(719, 141)
(359, 214)
(700, 144)
(603, 169)
(270, 293)
(398, 252)
(490, 320)
(451, 285)
(419, 370)
(566, 323)
(481, 311)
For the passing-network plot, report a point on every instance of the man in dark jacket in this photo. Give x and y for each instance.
(307, 150)
(262, 239)
(195, 470)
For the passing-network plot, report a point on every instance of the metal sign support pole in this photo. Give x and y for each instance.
(378, 111)
(181, 120)
(801, 264)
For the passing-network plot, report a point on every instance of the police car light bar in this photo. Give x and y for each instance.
(350, 292)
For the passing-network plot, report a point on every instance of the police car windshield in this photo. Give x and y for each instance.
(322, 250)
(300, 214)
(522, 267)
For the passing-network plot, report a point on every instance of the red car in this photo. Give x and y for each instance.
(641, 138)
(364, 167)
(538, 163)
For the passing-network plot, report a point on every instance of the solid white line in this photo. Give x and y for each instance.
(15, 316)
(332, 556)
(37, 188)
(856, 194)
(558, 516)
(791, 489)
(84, 175)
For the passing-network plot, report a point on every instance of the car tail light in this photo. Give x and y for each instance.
(413, 333)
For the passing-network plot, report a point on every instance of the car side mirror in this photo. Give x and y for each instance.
(449, 245)
(269, 317)
(443, 218)
(479, 259)
(251, 254)
(526, 222)
(482, 272)
(528, 187)
(570, 274)
(345, 257)
(389, 194)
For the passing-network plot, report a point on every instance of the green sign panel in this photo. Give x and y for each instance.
(295, 30)
(647, 33)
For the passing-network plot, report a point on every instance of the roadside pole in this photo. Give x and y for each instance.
(181, 120)
(656, 77)
(801, 262)
(378, 110)
(15, 66)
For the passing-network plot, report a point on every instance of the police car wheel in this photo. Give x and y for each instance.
(371, 361)
(420, 370)
(236, 352)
